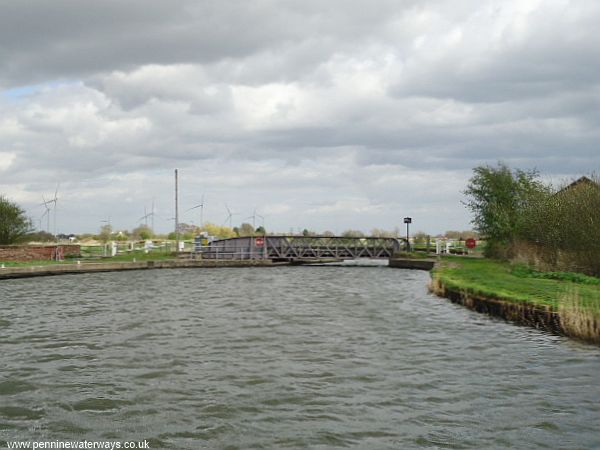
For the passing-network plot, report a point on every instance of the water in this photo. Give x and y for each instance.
(288, 357)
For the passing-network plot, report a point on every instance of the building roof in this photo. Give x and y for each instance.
(579, 181)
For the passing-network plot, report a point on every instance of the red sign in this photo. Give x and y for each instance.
(259, 242)
(471, 243)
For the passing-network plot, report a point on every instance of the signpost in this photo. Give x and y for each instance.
(471, 243)
(407, 221)
(259, 241)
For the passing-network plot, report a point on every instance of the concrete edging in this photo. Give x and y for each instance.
(63, 269)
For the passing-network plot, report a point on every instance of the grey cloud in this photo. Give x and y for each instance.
(69, 39)
(284, 104)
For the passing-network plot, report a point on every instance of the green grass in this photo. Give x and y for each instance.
(524, 271)
(413, 255)
(499, 279)
(139, 256)
(97, 258)
(42, 262)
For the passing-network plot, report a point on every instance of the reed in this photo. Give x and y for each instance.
(563, 303)
(580, 317)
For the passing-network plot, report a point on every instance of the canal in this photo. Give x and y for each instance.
(285, 357)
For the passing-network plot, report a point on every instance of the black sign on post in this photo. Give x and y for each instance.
(407, 221)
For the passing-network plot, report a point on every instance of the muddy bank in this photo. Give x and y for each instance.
(572, 323)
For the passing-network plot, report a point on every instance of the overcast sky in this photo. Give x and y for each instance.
(322, 114)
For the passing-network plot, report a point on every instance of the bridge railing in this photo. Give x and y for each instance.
(206, 252)
(299, 247)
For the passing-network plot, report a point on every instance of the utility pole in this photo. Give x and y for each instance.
(177, 211)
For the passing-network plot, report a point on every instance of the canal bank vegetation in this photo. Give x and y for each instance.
(14, 225)
(526, 220)
(562, 302)
(542, 252)
(94, 254)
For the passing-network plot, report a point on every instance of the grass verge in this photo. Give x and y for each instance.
(575, 300)
(129, 257)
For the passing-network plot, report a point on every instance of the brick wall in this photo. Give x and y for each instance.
(37, 252)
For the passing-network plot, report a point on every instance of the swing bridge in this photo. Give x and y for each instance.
(302, 248)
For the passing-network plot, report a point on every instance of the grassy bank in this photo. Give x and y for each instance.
(125, 257)
(574, 299)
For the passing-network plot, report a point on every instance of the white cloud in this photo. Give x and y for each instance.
(322, 115)
(6, 160)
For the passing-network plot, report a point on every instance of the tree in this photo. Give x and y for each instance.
(261, 230)
(353, 234)
(14, 225)
(380, 233)
(142, 232)
(420, 237)
(566, 228)
(38, 236)
(220, 232)
(246, 229)
(500, 200)
(105, 233)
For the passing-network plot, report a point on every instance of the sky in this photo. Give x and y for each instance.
(326, 115)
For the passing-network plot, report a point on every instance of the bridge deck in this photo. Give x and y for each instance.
(287, 248)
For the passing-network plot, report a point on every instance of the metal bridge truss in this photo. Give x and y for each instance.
(292, 248)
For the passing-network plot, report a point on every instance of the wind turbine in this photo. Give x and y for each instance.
(146, 215)
(253, 217)
(263, 221)
(229, 216)
(42, 217)
(152, 214)
(201, 206)
(46, 203)
(55, 200)
(46, 213)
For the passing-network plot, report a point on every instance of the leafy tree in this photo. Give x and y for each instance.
(261, 230)
(462, 235)
(353, 234)
(246, 229)
(122, 236)
(566, 226)
(105, 233)
(380, 233)
(220, 232)
(14, 225)
(420, 237)
(39, 236)
(500, 200)
(142, 232)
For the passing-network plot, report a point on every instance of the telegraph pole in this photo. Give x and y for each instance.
(177, 211)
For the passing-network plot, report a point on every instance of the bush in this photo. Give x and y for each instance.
(14, 225)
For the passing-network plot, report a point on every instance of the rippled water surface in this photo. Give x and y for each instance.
(288, 357)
